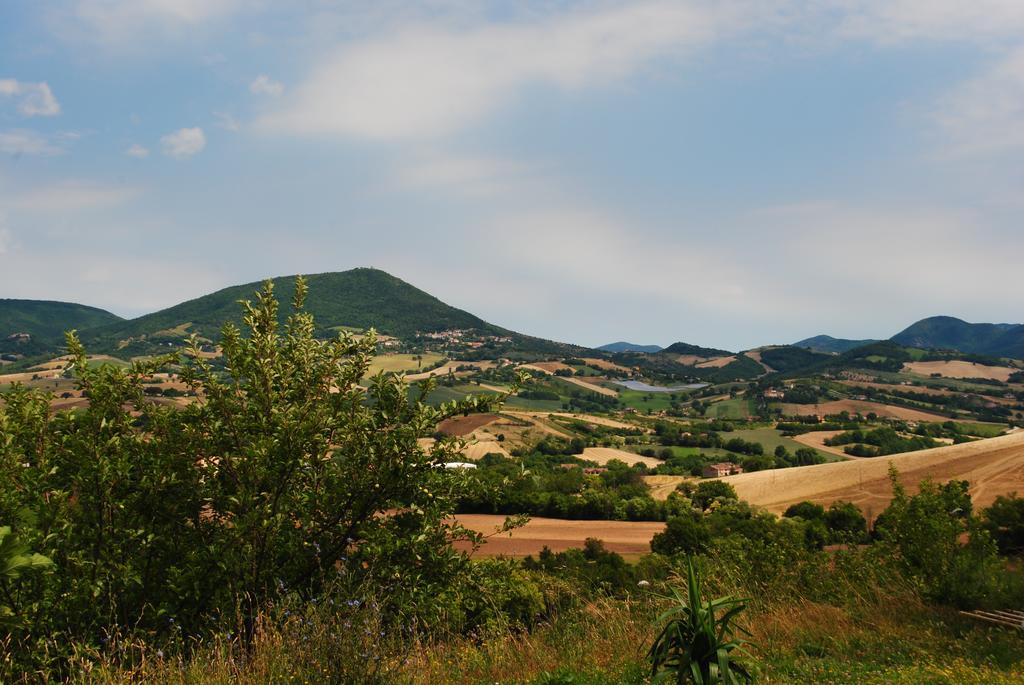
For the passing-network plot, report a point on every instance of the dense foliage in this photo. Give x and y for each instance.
(286, 478)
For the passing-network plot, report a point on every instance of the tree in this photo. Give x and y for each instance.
(687, 534)
(807, 511)
(710, 490)
(1004, 521)
(283, 476)
(927, 529)
(846, 522)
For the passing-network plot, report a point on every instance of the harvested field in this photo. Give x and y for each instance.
(27, 376)
(445, 368)
(663, 486)
(395, 363)
(603, 455)
(993, 467)
(591, 385)
(596, 420)
(536, 420)
(480, 448)
(756, 356)
(860, 407)
(624, 537)
(464, 425)
(605, 365)
(935, 392)
(550, 367)
(960, 369)
(716, 363)
(816, 439)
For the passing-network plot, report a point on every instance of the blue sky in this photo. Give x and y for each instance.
(729, 173)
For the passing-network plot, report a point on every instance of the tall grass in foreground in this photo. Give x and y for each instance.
(844, 618)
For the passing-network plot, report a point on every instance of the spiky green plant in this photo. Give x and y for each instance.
(698, 643)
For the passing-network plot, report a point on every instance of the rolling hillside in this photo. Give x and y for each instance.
(359, 298)
(826, 343)
(45, 323)
(993, 467)
(949, 333)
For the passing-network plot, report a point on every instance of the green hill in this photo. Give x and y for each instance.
(826, 343)
(949, 333)
(359, 298)
(44, 322)
(696, 350)
(629, 347)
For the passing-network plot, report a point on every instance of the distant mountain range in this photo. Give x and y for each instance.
(629, 347)
(365, 298)
(940, 333)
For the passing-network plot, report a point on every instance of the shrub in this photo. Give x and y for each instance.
(697, 643)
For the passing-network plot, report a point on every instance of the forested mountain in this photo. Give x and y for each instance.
(44, 322)
(949, 333)
(359, 298)
(826, 343)
(629, 347)
(696, 350)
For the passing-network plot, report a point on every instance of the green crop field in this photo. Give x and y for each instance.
(770, 439)
(642, 401)
(738, 408)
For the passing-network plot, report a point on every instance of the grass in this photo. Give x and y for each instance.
(642, 401)
(738, 408)
(982, 430)
(877, 631)
(770, 439)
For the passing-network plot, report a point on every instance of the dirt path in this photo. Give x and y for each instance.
(993, 467)
(624, 537)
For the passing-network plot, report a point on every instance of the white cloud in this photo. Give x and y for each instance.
(906, 20)
(986, 113)
(19, 142)
(473, 176)
(129, 23)
(70, 196)
(429, 81)
(5, 237)
(34, 99)
(137, 151)
(264, 85)
(184, 142)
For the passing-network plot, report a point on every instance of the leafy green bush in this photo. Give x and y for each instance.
(283, 476)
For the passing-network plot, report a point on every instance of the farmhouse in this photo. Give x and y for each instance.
(774, 394)
(725, 468)
(594, 471)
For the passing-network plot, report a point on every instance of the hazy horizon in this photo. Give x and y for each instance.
(727, 174)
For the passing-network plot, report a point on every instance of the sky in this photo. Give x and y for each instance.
(730, 173)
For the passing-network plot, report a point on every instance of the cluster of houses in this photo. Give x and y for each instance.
(457, 335)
